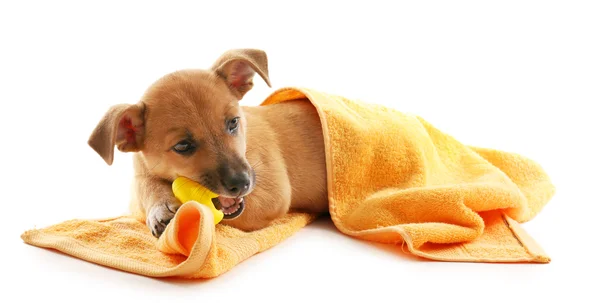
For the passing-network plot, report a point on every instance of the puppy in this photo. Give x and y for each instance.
(262, 161)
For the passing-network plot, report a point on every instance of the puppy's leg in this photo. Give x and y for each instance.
(157, 201)
(153, 199)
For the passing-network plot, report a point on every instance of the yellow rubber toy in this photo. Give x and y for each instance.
(187, 190)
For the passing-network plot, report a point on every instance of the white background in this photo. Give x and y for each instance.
(521, 76)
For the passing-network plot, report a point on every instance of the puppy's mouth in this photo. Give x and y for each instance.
(231, 207)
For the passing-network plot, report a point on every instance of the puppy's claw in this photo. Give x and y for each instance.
(160, 216)
(169, 208)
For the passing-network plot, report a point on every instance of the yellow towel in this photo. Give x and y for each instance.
(392, 178)
(395, 178)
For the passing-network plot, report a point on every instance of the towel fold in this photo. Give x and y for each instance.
(392, 178)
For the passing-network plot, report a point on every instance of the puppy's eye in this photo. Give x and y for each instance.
(184, 147)
(233, 124)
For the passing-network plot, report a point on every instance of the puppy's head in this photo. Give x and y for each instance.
(189, 123)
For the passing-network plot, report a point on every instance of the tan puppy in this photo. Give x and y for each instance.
(262, 161)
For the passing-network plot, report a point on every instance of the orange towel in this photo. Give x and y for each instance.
(392, 178)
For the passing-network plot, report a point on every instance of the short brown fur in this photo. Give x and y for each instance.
(280, 146)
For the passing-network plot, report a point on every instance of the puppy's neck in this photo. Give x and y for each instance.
(263, 145)
(261, 141)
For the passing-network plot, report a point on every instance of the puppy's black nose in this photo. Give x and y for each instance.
(238, 184)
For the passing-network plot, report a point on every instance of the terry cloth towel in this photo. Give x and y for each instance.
(392, 178)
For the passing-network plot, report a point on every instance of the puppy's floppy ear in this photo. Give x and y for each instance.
(123, 126)
(238, 66)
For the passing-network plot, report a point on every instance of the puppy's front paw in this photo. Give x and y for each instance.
(160, 215)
